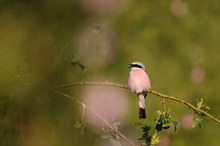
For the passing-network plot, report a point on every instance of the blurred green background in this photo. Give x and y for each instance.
(177, 40)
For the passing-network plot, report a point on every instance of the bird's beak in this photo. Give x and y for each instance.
(129, 65)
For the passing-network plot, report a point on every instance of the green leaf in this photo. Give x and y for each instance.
(175, 126)
(159, 127)
(159, 113)
(197, 122)
(199, 103)
(146, 136)
(206, 107)
(155, 139)
(75, 61)
(82, 67)
(194, 123)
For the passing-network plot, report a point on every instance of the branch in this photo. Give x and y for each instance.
(99, 116)
(92, 83)
(151, 91)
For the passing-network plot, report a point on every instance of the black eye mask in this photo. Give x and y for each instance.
(134, 65)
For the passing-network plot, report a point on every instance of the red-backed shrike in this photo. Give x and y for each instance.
(139, 83)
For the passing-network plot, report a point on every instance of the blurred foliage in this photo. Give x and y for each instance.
(111, 135)
(177, 40)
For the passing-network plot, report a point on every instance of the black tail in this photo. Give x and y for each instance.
(142, 114)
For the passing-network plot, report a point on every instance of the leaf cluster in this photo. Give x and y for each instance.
(113, 136)
(199, 117)
(164, 121)
(109, 133)
(149, 140)
(82, 126)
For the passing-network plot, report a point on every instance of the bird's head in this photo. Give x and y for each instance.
(137, 65)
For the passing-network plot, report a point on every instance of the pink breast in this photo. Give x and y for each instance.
(139, 81)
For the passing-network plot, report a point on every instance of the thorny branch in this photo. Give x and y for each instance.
(151, 91)
(99, 116)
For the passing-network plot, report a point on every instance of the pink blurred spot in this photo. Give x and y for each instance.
(179, 8)
(198, 74)
(108, 102)
(164, 141)
(186, 121)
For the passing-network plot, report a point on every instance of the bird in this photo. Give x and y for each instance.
(139, 83)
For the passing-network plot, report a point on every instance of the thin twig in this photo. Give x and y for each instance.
(99, 116)
(150, 91)
(83, 112)
(164, 105)
(92, 83)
